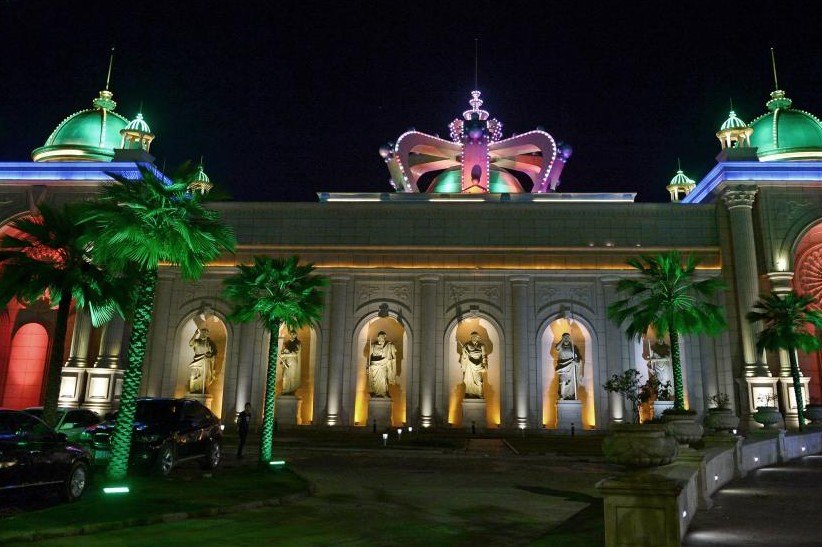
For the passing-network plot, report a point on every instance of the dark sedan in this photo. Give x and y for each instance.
(166, 432)
(34, 455)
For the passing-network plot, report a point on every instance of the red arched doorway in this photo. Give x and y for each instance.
(27, 365)
(808, 280)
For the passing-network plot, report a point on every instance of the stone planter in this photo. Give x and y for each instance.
(683, 427)
(639, 445)
(814, 414)
(768, 416)
(721, 420)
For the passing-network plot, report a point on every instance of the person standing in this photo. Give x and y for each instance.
(243, 423)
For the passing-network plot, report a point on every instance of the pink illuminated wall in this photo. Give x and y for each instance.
(26, 370)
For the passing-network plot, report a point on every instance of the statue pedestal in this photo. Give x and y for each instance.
(204, 398)
(288, 408)
(569, 413)
(72, 386)
(788, 399)
(473, 413)
(103, 389)
(379, 410)
(662, 406)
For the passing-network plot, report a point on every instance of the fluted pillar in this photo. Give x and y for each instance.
(336, 361)
(739, 200)
(519, 310)
(111, 344)
(428, 350)
(78, 354)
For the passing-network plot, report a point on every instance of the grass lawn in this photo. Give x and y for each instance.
(579, 446)
(186, 490)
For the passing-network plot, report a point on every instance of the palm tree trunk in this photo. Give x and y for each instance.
(121, 439)
(267, 433)
(55, 376)
(797, 388)
(676, 365)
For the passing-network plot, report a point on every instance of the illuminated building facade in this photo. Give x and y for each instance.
(475, 238)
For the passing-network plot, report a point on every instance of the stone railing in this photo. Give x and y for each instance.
(654, 507)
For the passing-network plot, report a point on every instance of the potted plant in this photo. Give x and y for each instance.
(633, 444)
(682, 424)
(814, 413)
(721, 418)
(768, 414)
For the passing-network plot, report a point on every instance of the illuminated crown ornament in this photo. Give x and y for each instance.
(681, 185)
(476, 159)
(200, 182)
(136, 134)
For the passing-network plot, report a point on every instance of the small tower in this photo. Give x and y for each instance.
(136, 135)
(135, 141)
(735, 139)
(680, 186)
(200, 182)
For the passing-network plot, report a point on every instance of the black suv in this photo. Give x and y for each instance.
(34, 455)
(166, 432)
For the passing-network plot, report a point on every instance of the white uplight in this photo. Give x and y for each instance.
(756, 459)
(684, 514)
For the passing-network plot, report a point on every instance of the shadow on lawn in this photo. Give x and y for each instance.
(586, 528)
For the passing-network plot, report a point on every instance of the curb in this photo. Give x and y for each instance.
(94, 528)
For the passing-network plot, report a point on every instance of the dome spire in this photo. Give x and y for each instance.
(778, 97)
(773, 66)
(105, 101)
(681, 185)
(200, 181)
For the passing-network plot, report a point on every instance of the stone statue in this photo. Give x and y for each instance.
(201, 370)
(382, 366)
(290, 360)
(658, 355)
(473, 362)
(569, 367)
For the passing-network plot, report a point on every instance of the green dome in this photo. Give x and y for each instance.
(733, 122)
(785, 133)
(88, 135)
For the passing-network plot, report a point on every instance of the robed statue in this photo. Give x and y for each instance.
(473, 363)
(569, 367)
(290, 358)
(382, 366)
(201, 369)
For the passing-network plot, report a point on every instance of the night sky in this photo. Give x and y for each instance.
(286, 99)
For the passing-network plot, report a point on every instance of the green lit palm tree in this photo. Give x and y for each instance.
(785, 321)
(136, 225)
(277, 292)
(667, 298)
(45, 256)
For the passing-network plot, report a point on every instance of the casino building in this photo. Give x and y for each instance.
(473, 266)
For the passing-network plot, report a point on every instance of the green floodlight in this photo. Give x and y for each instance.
(116, 490)
(277, 463)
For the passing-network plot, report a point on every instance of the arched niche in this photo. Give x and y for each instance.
(652, 356)
(299, 381)
(807, 260)
(27, 365)
(191, 344)
(458, 333)
(586, 391)
(396, 333)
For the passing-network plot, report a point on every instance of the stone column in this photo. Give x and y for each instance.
(615, 361)
(739, 200)
(78, 355)
(111, 343)
(519, 312)
(336, 361)
(428, 349)
(74, 375)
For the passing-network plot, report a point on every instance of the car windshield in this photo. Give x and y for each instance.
(156, 411)
(38, 412)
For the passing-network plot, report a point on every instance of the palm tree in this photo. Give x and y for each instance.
(785, 321)
(44, 257)
(137, 224)
(277, 292)
(667, 298)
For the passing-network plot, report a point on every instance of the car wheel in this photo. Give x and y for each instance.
(76, 482)
(213, 456)
(165, 460)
